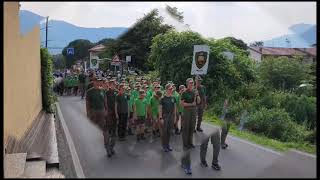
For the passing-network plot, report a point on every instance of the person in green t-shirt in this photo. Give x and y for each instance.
(167, 113)
(154, 108)
(148, 97)
(176, 95)
(182, 88)
(140, 114)
(130, 123)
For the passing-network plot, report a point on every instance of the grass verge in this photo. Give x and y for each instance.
(262, 140)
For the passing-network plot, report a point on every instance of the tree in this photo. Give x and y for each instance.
(257, 44)
(136, 41)
(81, 47)
(282, 73)
(237, 42)
(172, 54)
(59, 61)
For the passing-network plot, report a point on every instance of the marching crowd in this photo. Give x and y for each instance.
(125, 107)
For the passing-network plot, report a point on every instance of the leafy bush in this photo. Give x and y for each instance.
(302, 109)
(275, 123)
(46, 80)
(153, 75)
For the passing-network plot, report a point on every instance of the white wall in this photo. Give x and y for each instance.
(255, 55)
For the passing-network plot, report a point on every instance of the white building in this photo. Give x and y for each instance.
(259, 53)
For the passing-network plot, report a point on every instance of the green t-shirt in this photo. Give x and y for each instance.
(149, 95)
(188, 96)
(67, 82)
(141, 105)
(167, 104)
(154, 103)
(178, 97)
(111, 99)
(135, 94)
(96, 99)
(122, 101)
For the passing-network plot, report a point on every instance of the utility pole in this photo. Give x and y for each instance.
(47, 32)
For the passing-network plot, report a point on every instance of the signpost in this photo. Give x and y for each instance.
(128, 58)
(70, 51)
(200, 60)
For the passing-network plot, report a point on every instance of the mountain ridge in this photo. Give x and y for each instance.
(61, 33)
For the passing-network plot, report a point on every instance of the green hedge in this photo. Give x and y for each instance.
(46, 80)
(277, 124)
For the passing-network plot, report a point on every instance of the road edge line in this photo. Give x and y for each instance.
(248, 142)
(74, 155)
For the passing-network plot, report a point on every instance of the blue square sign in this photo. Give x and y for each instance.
(70, 51)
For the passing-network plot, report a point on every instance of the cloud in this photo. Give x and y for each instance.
(249, 21)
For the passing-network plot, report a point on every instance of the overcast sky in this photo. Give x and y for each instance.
(249, 21)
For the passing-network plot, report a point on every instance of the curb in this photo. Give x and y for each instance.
(74, 155)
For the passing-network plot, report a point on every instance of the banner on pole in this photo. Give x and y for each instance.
(200, 60)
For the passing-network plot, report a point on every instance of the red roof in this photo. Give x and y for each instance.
(285, 51)
(98, 48)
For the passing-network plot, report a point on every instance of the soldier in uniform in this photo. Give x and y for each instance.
(176, 95)
(203, 102)
(82, 80)
(226, 124)
(188, 101)
(111, 119)
(96, 102)
(121, 111)
(167, 112)
(214, 136)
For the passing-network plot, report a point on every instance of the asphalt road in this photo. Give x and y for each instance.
(147, 160)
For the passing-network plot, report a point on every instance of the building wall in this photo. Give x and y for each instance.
(22, 74)
(255, 55)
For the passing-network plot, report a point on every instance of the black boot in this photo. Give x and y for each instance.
(138, 137)
(130, 132)
(142, 136)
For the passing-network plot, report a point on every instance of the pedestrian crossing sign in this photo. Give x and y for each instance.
(70, 51)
